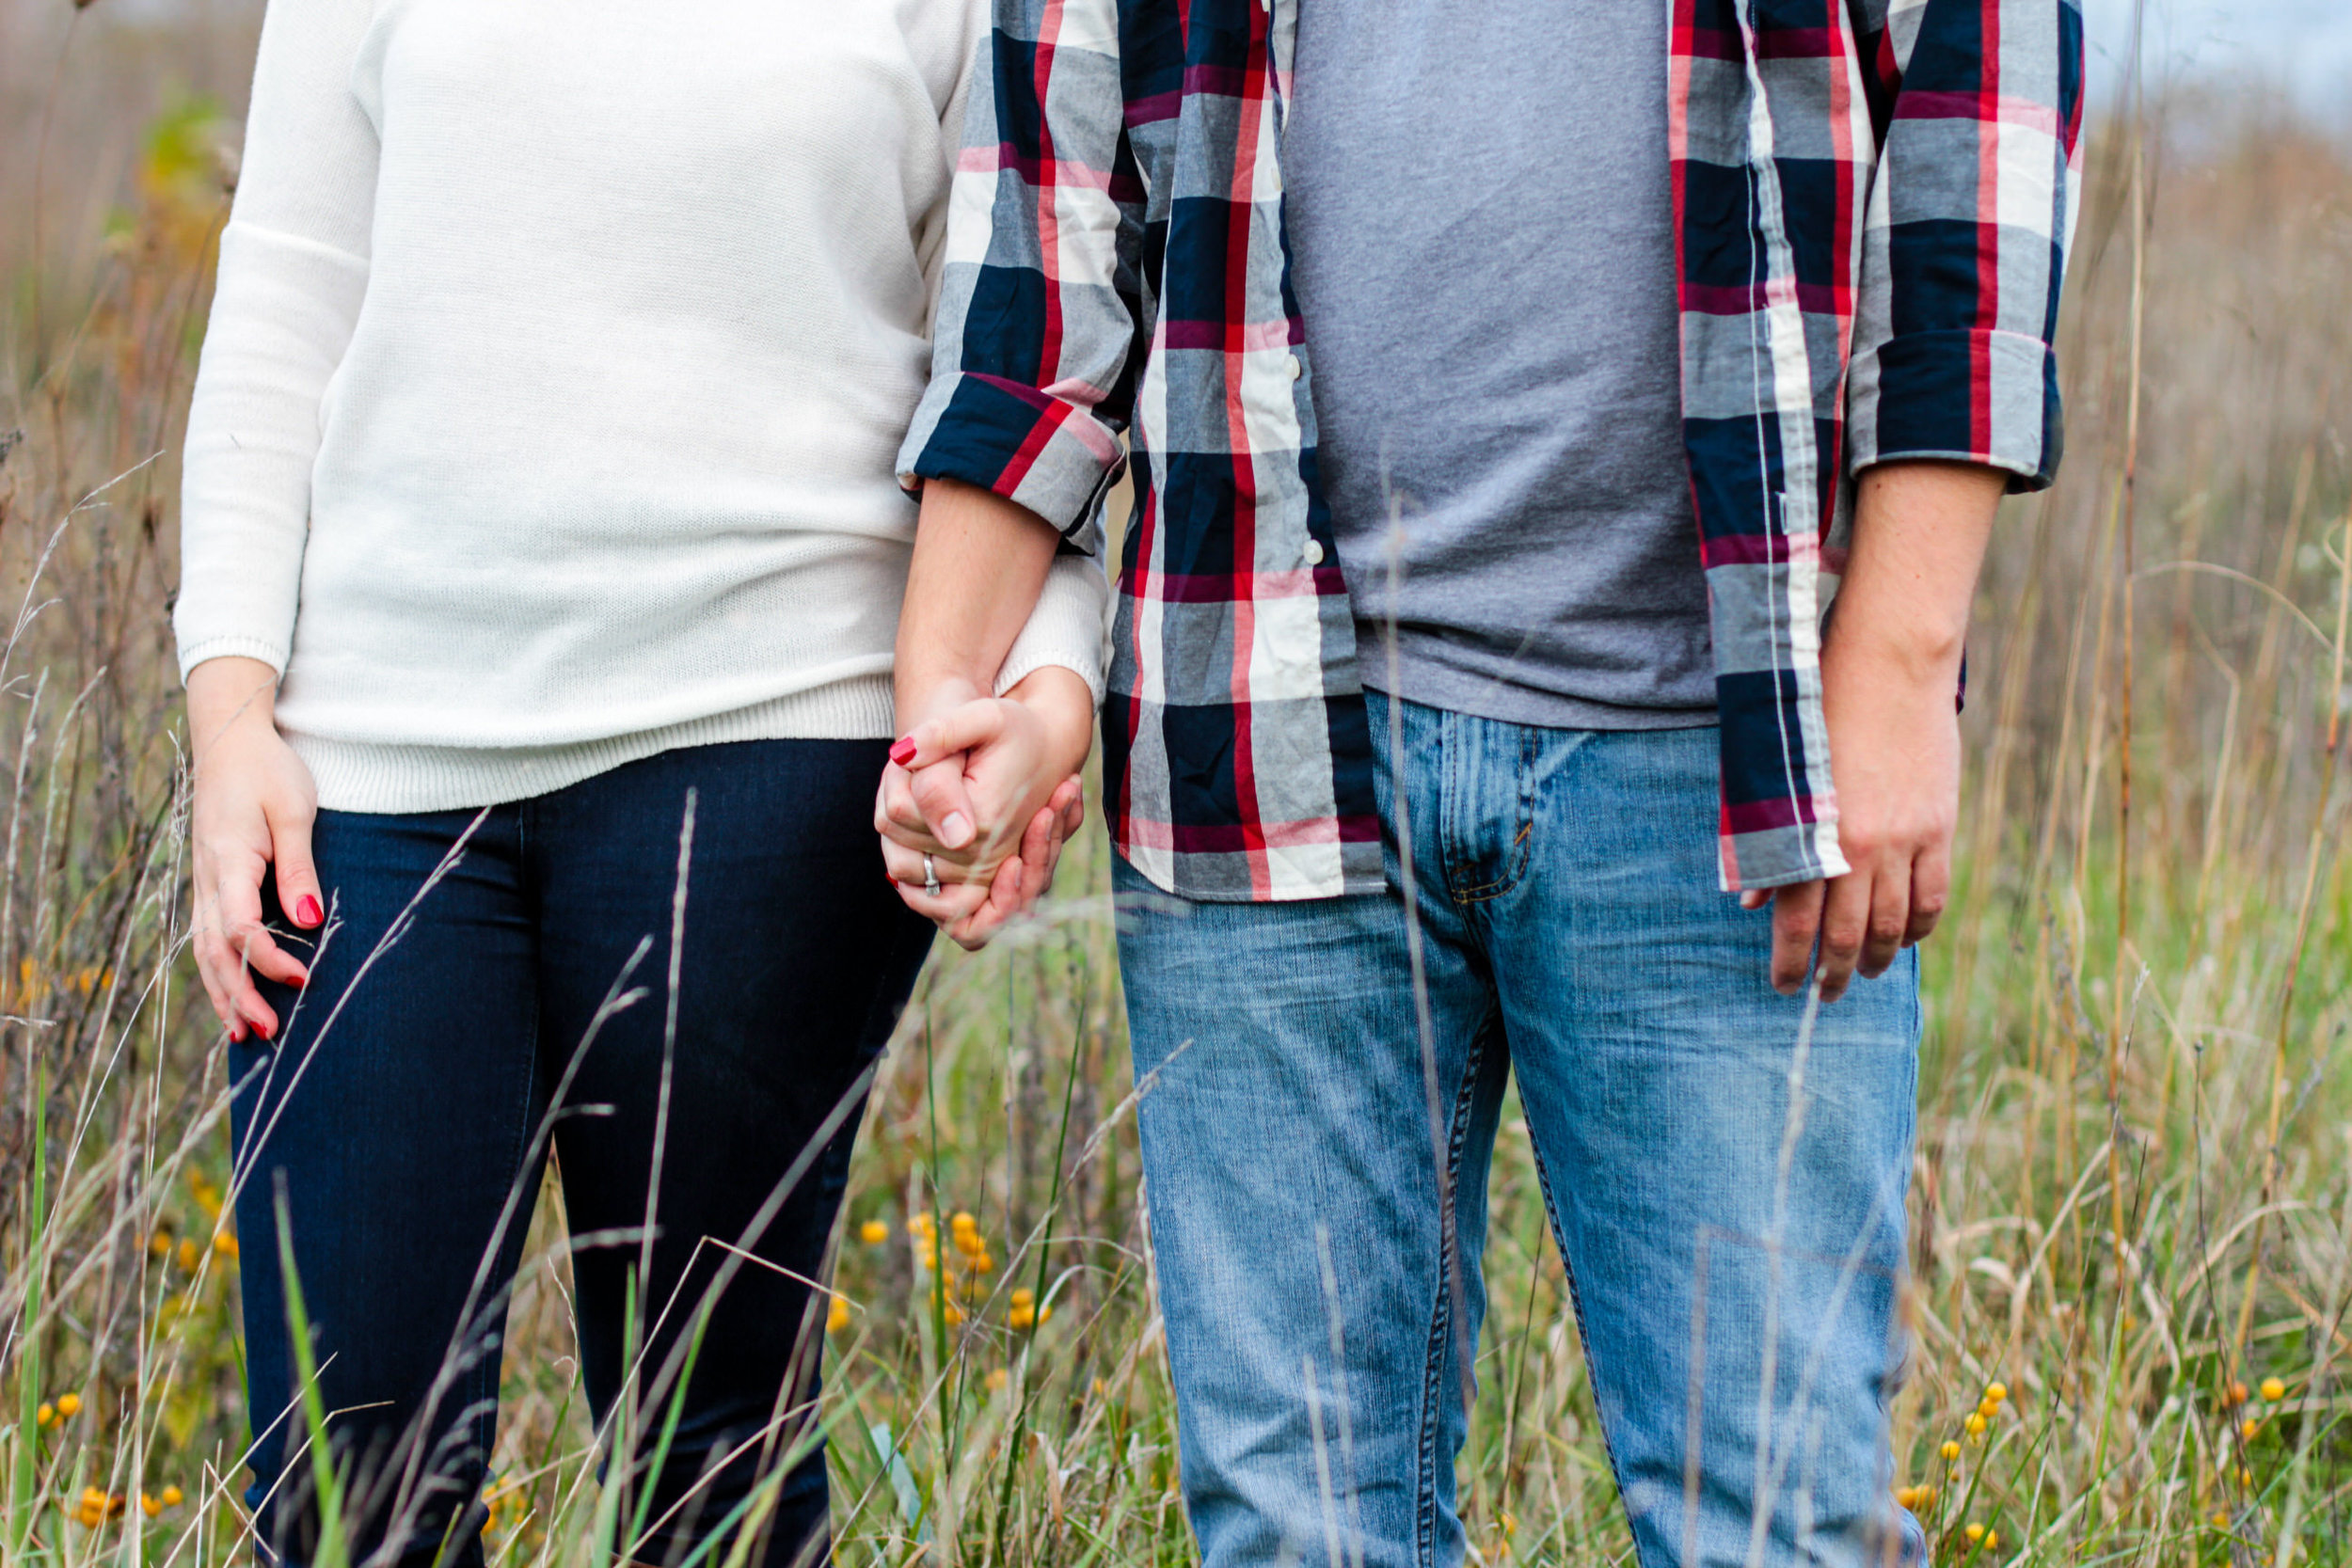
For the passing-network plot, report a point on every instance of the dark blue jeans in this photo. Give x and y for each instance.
(453, 1028)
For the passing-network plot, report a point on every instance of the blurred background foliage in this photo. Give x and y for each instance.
(2131, 1196)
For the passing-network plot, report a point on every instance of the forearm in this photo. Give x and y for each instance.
(979, 561)
(1919, 536)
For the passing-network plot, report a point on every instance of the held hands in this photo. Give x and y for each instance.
(253, 807)
(987, 789)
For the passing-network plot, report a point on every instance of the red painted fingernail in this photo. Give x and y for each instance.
(308, 912)
(262, 1030)
(236, 1033)
(902, 750)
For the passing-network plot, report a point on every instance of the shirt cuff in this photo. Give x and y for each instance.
(1037, 451)
(229, 645)
(1959, 395)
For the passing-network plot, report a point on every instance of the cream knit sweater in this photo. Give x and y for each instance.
(560, 354)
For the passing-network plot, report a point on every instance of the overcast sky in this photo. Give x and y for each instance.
(2303, 47)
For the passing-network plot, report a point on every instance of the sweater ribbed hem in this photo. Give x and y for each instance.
(362, 776)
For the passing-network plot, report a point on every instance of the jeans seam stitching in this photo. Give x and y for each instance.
(1576, 1306)
(1440, 1334)
(1485, 892)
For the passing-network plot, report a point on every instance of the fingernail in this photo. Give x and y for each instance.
(902, 750)
(262, 1030)
(236, 1033)
(955, 830)
(307, 911)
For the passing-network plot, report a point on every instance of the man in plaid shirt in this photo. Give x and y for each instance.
(1509, 389)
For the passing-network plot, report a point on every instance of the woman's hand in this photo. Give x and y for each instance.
(254, 805)
(987, 789)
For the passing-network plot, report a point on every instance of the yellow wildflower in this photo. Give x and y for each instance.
(171, 1496)
(160, 1244)
(837, 1315)
(1975, 1424)
(149, 1506)
(873, 1233)
(1950, 1449)
(1974, 1532)
(2248, 1428)
(226, 1244)
(69, 1404)
(1023, 1296)
(1996, 1392)
(47, 1415)
(2273, 1389)
(189, 1255)
(2237, 1392)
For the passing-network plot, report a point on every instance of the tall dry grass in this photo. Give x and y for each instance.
(2132, 1209)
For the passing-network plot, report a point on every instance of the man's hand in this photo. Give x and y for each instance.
(1890, 675)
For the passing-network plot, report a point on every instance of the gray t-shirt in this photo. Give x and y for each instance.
(1480, 220)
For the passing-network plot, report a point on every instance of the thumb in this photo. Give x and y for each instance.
(298, 877)
(974, 723)
(947, 807)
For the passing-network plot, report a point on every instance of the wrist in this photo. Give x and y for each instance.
(230, 697)
(1064, 704)
(1911, 647)
(924, 698)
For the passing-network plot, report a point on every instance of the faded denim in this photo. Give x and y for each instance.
(1569, 928)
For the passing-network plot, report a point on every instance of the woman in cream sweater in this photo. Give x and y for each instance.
(542, 566)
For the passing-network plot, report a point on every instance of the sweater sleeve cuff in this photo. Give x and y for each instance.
(1068, 628)
(1958, 395)
(194, 652)
(1041, 451)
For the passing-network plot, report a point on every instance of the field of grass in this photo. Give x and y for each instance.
(2133, 1201)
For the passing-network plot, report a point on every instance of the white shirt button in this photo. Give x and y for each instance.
(1314, 546)
(1297, 370)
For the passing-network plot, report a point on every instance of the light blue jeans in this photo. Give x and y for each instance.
(1725, 1185)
